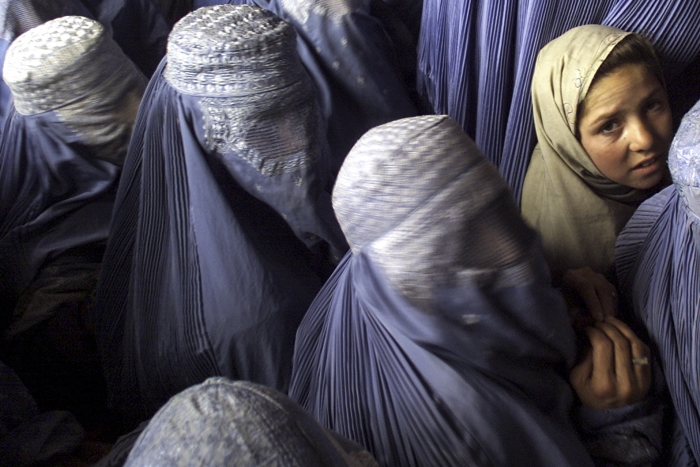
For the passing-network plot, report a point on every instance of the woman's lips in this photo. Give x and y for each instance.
(649, 165)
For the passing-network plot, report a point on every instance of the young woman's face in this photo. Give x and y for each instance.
(626, 126)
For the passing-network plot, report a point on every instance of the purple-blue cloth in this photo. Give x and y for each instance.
(475, 62)
(438, 340)
(56, 199)
(355, 64)
(221, 228)
(657, 257)
(138, 26)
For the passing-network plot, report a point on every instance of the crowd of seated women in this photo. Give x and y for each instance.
(308, 232)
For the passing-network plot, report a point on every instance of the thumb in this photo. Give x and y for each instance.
(582, 372)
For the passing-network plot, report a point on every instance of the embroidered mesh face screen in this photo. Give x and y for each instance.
(256, 99)
(72, 66)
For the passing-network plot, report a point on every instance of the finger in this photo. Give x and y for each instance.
(622, 328)
(581, 373)
(607, 296)
(642, 371)
(590, 297)
(626, 375)
(602, 353)
(602, 385)
(580, 281)
(640, 355)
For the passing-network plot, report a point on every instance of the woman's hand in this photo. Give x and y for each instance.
(599, 295)
(615, 372)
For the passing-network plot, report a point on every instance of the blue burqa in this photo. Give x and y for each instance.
(438, 340)
(75, 101)
(222, 226)
(362, 66)
(657, 257)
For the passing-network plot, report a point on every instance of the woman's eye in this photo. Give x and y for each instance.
(609, 127)
(653, 105)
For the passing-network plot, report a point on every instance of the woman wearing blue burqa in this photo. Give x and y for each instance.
(223, 229)
(476, 59)
(136, 25)
(361, 57)
(76, 96)
(657, 257)
(438, 340)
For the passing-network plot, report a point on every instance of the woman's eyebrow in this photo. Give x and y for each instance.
(606, 115)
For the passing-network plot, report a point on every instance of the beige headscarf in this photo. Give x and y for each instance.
(577, 210)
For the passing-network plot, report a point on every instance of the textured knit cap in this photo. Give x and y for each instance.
(61, 61)
(239, 423)
(71, 66)
(231, 50)
(434, 210)
(684, 159)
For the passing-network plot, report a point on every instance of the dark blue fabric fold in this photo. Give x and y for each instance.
(204, 274)
(421, 389)
(55, 196)
(356, 67)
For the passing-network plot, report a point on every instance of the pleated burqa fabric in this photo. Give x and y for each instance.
(76, 96)
(438, 340)
(658, 259)
(222, 226)
(238, 423)
(476, 59)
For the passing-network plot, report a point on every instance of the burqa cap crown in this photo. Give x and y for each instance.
(238, 423)
(59, 62)
(435, 212)
(395, 168)
(231, 51)
(684, 155)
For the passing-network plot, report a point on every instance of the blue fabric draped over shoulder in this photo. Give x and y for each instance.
(221, 218)
(475, 62)
(354, 63)
(138, 26)
(658, 259)
(60, 156)
(438, 340)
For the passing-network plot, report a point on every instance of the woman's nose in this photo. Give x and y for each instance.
(641, 134)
